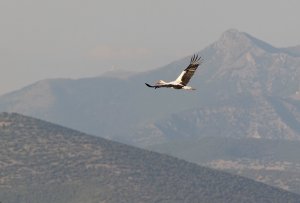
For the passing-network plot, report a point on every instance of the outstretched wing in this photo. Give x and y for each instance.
(187, 74)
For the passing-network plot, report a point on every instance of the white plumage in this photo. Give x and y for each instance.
(183, 79)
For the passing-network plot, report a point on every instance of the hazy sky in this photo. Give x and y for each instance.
(84, 38)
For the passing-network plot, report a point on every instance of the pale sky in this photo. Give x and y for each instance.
(84, 38)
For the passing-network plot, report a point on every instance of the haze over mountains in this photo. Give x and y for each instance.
(244, 78)
(42, 162)
(246, 90)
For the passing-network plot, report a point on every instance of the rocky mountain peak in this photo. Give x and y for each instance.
(231, 34)
(233, 39)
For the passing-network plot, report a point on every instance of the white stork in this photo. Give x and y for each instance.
(183, 79)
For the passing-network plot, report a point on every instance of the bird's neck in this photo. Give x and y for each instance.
(161, 82)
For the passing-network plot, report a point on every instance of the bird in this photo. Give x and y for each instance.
(183, 79)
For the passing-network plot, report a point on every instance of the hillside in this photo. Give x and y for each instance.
(274, 162)
(42, 162)
(238, 117)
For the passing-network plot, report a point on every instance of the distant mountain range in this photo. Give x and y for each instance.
(41, 163)
(246, 89)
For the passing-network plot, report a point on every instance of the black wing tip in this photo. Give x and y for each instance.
(196, 59)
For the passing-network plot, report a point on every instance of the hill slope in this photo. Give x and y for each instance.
(42, 162)
(274, 162)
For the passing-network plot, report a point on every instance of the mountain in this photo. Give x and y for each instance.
(239, 117)
(242, 77)
(246, 89)
(42, 162)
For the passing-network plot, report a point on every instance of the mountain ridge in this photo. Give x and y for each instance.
(235, 66)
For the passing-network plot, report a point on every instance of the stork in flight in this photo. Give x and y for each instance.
(183, 79)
